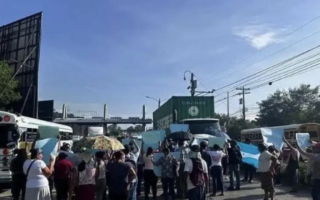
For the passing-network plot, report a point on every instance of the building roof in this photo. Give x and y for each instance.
(102, 121)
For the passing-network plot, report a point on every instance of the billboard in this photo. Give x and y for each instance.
(20, 48)
(46, 110)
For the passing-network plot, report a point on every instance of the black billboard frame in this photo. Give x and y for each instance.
(20, 48)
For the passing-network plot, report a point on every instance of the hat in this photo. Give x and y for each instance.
(195, 148)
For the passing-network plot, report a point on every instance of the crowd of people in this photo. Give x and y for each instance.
(119, 175)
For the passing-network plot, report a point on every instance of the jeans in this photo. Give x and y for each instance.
(217, 179)
(315, 192)
(248, 172)
(168, 184)
(181, 182)
(100, 188)
(18, 186)
(140, 178)
(150, 181)
(234, 169)
(197, 193)
(62, 188)
(133, 191)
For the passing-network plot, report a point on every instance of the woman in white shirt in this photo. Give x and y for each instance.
(266, 166)
(150, 179)
(216, 169)
(37, 172)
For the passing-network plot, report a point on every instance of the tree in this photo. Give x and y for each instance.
(235, 125)
(297, 105)
(114, 130)
(8, 87)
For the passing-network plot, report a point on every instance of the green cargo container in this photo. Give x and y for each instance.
(178, 108)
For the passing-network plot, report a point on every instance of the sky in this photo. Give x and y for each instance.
(118, 52)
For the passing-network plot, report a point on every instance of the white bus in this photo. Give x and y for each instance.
(17, 130)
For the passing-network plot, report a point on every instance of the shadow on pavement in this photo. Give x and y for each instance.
(248, 197)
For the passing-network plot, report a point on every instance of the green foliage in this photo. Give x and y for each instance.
(297, 105)
(286, 179)
(134, 129)
(114, 130)
(235, 125)
(8, 89)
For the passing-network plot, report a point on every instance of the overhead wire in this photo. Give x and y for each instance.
(262, 72)
(276, 41)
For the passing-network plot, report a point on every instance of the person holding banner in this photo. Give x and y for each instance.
(248, 169)
(37, 187)
(315, 158)
(235, 159)
(150, 179)
(292, 168)
(266, 166)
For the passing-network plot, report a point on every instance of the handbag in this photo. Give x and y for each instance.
(28, 174)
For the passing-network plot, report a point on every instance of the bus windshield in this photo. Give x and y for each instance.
(7, 134)
(209, 127)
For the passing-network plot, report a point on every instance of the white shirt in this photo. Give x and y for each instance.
(264, 161)
(148, 164)
(36, 178)
(216, 158)
(188, 168)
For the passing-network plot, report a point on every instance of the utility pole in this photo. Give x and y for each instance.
(193, 82)
(228, 114)
(193, 85)
(159, 103)
(242, 101)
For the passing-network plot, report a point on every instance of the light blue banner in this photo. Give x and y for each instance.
(157, 156)
(303, 140)
(152, 139)
(216, 140)
(179, 127)
(48, 132)
(273, 136)
(250, 154)
(49, 147)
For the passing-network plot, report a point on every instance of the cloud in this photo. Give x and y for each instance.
(258, 36)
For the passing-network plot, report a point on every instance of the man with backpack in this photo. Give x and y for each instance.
(196, 174)
(235, 159)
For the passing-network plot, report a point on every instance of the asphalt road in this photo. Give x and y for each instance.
(248, 192)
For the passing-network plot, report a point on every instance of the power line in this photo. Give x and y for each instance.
(259, 73)
(279, 39)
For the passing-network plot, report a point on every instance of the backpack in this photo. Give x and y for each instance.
(197, 174)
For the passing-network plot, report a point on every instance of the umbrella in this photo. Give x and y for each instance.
(181, 135)
(99, 142)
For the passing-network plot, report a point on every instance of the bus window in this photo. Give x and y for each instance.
(313, 134)
(7, 134)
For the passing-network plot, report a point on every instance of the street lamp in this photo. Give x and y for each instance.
(157, 100)
(193, 82)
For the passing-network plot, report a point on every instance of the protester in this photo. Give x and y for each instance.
(235, 159)
(132, 161)
(150, 179)
(181, 184)
(120, 177)
(100, 175)
(62, 170)
(168, 173)
(140, 173)
(314, 157)
(196, 174)
(292, 168)
(216, 170)
(266, 166)
(36, 171)
(225, 162)
(18, 176)
(85, 189)
(276, 153)
(248, 169)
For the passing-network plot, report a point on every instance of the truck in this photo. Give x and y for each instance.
(196, 111)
